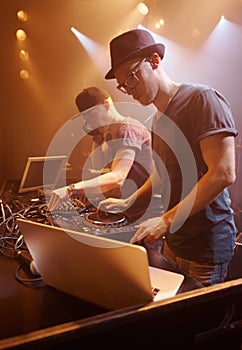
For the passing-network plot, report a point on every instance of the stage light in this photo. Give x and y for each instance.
(93, 49)
(143, 8)
(160, 23)
(24, 55)
(21, 35)
(24, 74)
(22, 16)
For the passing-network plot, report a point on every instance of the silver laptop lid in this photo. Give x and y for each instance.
(109, 273)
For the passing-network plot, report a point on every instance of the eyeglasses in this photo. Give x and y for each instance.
(131, 80)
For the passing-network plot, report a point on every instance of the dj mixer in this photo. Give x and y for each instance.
(88, 220)
(78, 214)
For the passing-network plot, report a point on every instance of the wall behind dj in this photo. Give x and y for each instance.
(199, 48)
(32, 110)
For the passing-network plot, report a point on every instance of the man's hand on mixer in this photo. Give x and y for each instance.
(57, 196)
(150, 230)
(113, 205)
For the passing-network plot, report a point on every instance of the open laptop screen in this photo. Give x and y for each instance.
(33, 175)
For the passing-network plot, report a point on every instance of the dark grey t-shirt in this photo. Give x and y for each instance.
(195, 112)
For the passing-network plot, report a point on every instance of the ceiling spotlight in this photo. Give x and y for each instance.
(24, 55)
(143, 8)
(159, 24)
(21, 35)
(24, 74)
(22, 15)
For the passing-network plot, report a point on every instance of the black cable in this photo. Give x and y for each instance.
(12, 242)
(7, 244)
(26, 264)
(25, 280)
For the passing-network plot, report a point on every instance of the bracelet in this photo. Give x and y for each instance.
(72, 191)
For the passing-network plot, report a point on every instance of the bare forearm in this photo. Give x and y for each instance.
(206, 190)
(218, 153)
(144, 191)
(99, 184)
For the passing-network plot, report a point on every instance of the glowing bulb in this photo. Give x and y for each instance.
(21, 35)
(160, 23)
(143, 9)
(24, 55)
(22, 15)
(24, 74)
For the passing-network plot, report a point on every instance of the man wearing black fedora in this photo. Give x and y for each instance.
(193, 139)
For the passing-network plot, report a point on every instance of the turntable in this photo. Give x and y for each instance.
(106, 219)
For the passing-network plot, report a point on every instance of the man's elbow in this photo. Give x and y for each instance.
(121, 182)
(229, 178)
(120, 179)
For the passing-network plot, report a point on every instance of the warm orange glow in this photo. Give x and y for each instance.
(21, 35)
(24, 55)
(160, 23)
(22, 15)
(195, 32)
(24, 74)
(143, 8)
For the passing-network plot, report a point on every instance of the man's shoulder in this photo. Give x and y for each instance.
(132, 127)
(195, 88)
(133, 123)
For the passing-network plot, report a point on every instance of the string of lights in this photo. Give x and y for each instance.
(21, 36)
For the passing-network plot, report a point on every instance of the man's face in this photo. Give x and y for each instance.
(97, 118)
(138, 79)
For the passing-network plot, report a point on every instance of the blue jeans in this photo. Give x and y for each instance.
(206, 274)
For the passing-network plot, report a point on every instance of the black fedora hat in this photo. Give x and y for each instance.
(131, 44)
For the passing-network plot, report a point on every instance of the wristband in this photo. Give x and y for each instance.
(72, 191)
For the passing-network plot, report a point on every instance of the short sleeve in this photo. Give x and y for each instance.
(212, 114)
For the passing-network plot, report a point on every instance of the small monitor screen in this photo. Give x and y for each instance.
(41, 171)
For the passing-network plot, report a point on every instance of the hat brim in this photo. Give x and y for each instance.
(146, 51)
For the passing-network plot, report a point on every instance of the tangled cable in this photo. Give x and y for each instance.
(11, 240)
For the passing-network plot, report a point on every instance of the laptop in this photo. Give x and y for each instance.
(109, 273)
(41, 172)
